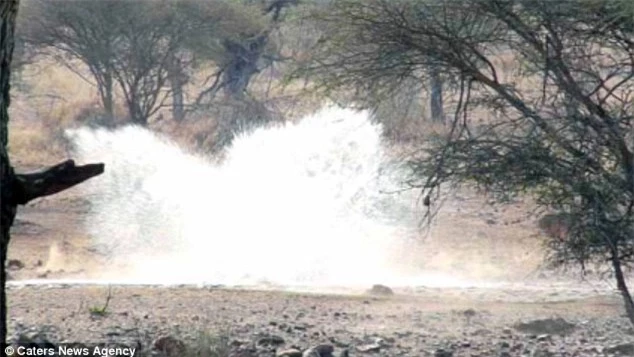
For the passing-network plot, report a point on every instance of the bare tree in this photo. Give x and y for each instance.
(560, 128)
(19, 189)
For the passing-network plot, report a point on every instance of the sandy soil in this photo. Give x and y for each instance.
(470, 240)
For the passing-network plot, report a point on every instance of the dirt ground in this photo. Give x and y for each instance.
(531, 315)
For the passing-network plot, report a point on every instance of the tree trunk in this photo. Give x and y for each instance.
(621, 284)
(20, 189)
(243, 65)
(8, 12)
(136, 113)
(108, 99)
(436, 101)
(105, 88)
(177, 80)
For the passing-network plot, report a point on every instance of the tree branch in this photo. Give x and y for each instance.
(52, 180)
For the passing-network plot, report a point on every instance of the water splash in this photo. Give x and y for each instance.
(300, 204)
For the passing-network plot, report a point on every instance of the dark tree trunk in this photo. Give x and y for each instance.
(244, 57)
(8, 12)
(105, 86)
(177, 79)
(621, 285)
(243, 64)
(436, 101)
(107, 98)
(137, 115)
(20, 189)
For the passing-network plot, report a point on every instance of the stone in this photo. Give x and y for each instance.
(169, 346)
(272, 340)
(292, 352)
(34, 339)
(381, 290)
(14, 264)
(443, 353)
(310, 353)
(370, 347)
(551, 326)
(544, 337)
(539, 352)
(623, 349)
(325, 350)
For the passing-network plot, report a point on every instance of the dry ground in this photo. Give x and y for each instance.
(470, 240)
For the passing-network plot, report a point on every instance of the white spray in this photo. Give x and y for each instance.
(301, 204)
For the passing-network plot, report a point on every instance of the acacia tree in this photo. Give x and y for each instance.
(560, 128)
(73, 31)
(149, 39)
(134, 46)
(19, 189)
(150, 48)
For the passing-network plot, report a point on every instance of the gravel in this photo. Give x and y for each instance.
(251, 323)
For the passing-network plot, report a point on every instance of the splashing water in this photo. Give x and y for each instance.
(299, 204)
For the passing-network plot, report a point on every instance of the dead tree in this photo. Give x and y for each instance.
(19, 189)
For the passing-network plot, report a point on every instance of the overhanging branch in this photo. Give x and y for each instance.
(52, 180)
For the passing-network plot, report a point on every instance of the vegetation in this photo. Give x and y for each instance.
(102, 311)
(148, 50)
(560, 128)
(19, 189)
(534, 97)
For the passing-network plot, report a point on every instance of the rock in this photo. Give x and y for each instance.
(14, 264)
(370, 347)
(484, 332)
(381, 290)
(624, 349)
(539, 352)
(337, 343)
(289, 353)
(443, 353)
(169, 346)
(272, 340)
(36, 339)
(544, 337)
(557, 326)
(469, 313)
(310, 353)
(325, 349)
(344, 353)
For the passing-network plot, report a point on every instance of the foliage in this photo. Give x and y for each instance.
(138, 45)
(559, 128)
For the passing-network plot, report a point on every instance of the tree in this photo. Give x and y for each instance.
(150, 48)
(560, 129)
(73, 31)
(244, 54)
(150, 34)
(19, 189)
(135, 44)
